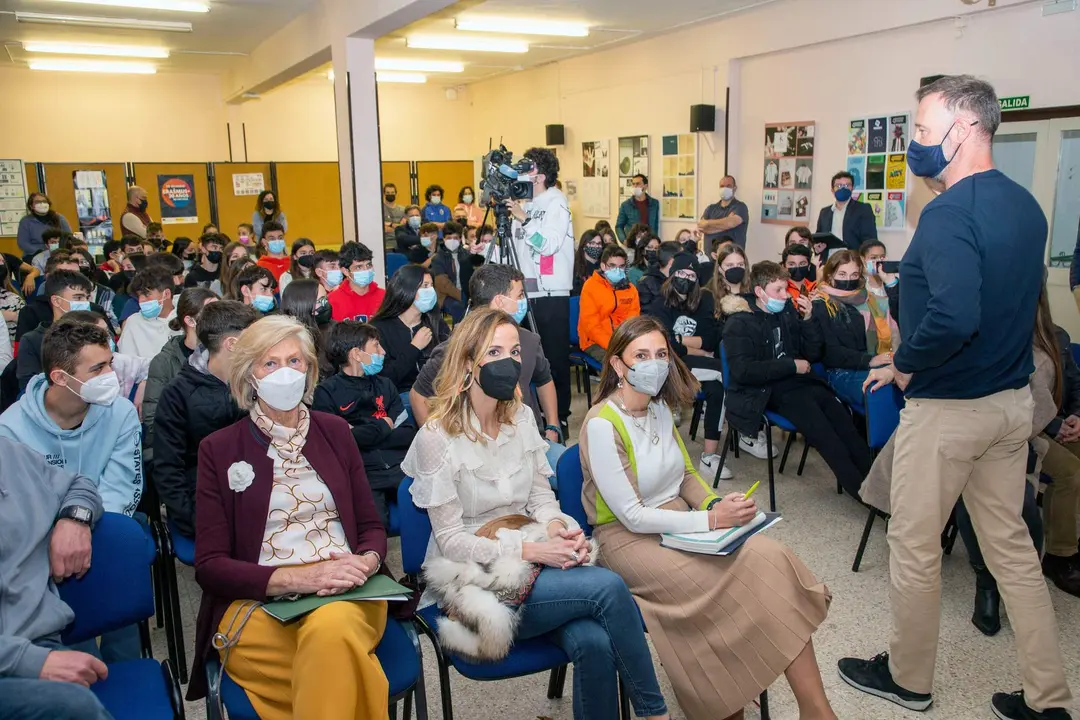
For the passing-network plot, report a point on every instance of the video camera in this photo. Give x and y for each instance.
(500, 177)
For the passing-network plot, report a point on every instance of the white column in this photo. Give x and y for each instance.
(358, 145)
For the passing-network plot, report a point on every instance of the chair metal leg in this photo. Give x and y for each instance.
(787, 449)
(802, 461)
(723, 456)
(588, 386)
(695, 418)
(392, 711)
(763, 702)
(177, 621)
(734, 435)
(624, 702)
(420, 691)
(772, 477)
(864, 540)
(555, 683)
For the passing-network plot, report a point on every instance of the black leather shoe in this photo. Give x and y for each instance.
(1063, 572)
(987, 615)
(1011, 706)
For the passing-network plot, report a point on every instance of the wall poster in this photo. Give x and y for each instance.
(595, 179)
(177, 194)
(633, 160)
(877, 159)
(788, 173)
(13, 196)
(248, 184)
(678, 198)
(92, 207)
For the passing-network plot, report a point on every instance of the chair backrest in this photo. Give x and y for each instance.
(882, 414)
(571, 479)
(394, 261)
(575, 313)
(415, 530)
(1075, 350)
(723, 362)
(116, 591)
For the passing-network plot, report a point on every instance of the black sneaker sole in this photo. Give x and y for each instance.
(917, 705)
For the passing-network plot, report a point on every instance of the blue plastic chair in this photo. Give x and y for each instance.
(882, 418)
(526, 657)
(175, 546)
(1075, 350)
(398, 653)
(394, 261)
(116, 592)
(580, 359)
(769, 419)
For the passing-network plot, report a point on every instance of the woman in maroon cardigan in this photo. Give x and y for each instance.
(283, 508)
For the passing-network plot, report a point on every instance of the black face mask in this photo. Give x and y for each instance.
(129, 274)
(593, 253)
(269, 206)
(811, 274)
(143, 204)
(798, 274)
(499, 379)
(682, 285)
(323, 312)
(213, 257)
(846, 285)
(690, 246)
(735, 275)
(306, 261)
(176, 290)
(651, 257)
(390, 197)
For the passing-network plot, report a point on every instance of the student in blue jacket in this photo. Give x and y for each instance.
(435, 211)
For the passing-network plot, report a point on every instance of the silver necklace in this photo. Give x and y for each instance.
(644, 427)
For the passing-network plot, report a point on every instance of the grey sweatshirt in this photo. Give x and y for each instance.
(32, 493)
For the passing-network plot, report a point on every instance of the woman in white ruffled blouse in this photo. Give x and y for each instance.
(480, 457)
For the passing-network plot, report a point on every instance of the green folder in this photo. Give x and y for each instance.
(377, 587)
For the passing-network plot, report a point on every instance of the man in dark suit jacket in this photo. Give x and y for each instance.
(857, 225)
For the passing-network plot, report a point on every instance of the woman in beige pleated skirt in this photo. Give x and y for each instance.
(725, 628)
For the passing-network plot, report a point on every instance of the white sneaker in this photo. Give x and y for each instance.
(757, 446)
(708, 466)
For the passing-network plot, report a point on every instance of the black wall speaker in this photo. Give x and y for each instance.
(923, 82)
(702, 118)
(554, 134)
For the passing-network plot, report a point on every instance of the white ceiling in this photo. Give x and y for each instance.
(219, 38)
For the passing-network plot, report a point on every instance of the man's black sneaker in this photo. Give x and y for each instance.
(1011, 706)
(873, 676)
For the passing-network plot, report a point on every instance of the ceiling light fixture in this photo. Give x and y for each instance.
(464, 42)
(196, 6)
(521, 26)
(86, 21)
(419, 65)
(64, 48)
(96, 66)
(400, 77)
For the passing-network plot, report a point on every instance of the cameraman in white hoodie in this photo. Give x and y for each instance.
(543, 237)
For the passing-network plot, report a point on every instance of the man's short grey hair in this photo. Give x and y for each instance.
(967, 93)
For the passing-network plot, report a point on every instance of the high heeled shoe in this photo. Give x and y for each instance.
(987, 614)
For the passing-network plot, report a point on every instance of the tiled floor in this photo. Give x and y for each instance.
(824, 530)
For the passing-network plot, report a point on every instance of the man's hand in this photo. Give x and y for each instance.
(879, 378)
(69, 550)
(801, 366)
(1070, 429)
(805, 306)
(389, 421)
(29, 285)
(551, 435)
(516, 210)
(902, 379)
(73, 667)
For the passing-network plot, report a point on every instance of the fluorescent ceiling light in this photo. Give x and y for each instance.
(85, 21)
(419, 65)
(330, 75)
(519, 26)
(464, 42)
(98, 66)
(400, 77)
(64, 48)
(171, 5)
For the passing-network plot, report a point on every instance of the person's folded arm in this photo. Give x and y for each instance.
(370, 534)
(614, 482)
(744, 367)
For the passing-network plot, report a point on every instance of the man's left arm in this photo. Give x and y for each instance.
(121, 482)
(548, 234)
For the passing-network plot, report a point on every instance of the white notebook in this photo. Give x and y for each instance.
(719, 542)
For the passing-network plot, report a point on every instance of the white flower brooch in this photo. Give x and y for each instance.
(240, 476)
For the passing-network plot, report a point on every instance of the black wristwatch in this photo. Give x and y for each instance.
(78, 513)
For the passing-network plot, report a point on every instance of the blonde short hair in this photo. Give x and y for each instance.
(255, 342)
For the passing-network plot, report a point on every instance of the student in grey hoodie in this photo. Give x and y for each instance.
(39, 678)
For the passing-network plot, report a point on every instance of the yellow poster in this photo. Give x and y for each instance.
(896, 173)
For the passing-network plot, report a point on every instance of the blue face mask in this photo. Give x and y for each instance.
(929, 161)
(522, 308)
(75, 305)
(276, 246)
(414, 221)
(425, 299)
(842, 194)
(615, 275)
(363, 278)
(426, 242)
(870, 267)
(112, 343)
(774, 305)
(150, 309)
(263, 303)
(334, 277)
(375, 366)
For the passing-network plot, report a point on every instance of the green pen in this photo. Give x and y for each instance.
(750, 492)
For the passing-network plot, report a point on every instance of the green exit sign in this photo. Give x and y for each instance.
(1020, 102)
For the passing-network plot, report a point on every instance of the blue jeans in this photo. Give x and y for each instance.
(34, 699)
(554, 452)
(590, 614)
(847, 384)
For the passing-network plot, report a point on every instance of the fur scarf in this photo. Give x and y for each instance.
(480, 602)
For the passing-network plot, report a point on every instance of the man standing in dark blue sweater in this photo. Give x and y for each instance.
(971, 280)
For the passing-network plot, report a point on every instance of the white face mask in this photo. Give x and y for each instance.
(638, 192)
(466, 198)
(726, 193)
(648, 376)
(282, 389)
(452, 244)
(100, 390)
(41, 208)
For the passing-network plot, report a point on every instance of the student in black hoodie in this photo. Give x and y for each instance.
(686, 311)
(196, 404)
(370, 403)
(648, 286)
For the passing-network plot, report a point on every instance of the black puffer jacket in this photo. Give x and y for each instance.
(165, 366)
(753, 365)
(193, 406)
(648, 287)
(844, 335)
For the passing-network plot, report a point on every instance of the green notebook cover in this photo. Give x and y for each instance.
(377, 587)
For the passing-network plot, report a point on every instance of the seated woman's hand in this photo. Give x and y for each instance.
(731, 511)
(330, 577)
(557, 552)
(578, 536)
